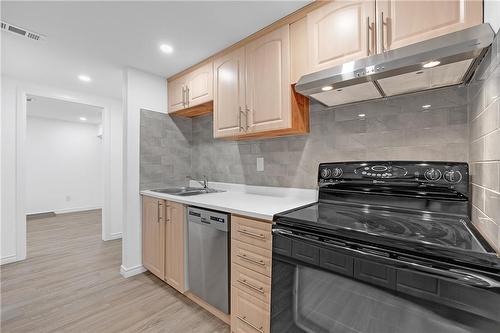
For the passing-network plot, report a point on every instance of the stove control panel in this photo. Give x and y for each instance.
(452, 175)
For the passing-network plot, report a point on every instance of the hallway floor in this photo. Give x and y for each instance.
(71, 282)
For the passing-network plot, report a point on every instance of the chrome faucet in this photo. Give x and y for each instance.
(203, 183)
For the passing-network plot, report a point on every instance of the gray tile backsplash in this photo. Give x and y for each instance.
(484, 145)
(165, 150)
(396, 128)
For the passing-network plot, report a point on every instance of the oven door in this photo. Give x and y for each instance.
(319, 287)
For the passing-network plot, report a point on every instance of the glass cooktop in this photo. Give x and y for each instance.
(428, 228)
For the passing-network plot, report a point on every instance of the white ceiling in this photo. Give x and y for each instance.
(44, 107)
(99, 39)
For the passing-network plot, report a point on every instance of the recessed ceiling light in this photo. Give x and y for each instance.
(84, 78)
(327, 88)
(165, 48)
(431, 64)
(426, 106)
(83, 118)
(361, 115)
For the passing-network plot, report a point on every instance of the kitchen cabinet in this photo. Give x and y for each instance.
(343, 31)
(268, 82)
(153, 235)
(339, 32)
(401, 23)
(253, 97)
(176, 95)
(175, 227)
(191, 94)
(163, 240)
(229, 94)
(251, 262)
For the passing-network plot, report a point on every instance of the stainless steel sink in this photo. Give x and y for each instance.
(186, 190)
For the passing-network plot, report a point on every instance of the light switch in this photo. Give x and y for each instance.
(260, 163)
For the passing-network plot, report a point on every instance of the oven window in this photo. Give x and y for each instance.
(307, 299)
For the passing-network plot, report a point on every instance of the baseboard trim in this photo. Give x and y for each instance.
(128, 272)
(115, 235)
(77, 209)
(9, 259)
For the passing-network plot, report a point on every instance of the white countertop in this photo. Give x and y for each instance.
(260, 202)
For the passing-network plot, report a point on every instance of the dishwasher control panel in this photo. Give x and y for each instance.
(217, 220)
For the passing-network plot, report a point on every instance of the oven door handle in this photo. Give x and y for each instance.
(458, 275)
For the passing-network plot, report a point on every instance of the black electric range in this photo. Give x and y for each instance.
(385, 233)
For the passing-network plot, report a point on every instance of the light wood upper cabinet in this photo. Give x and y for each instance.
(408, 22)
(268, 82)
(199, 85)
(339, 32)
(229, 93)
(153, 235)
(176, 95)
(174, 248)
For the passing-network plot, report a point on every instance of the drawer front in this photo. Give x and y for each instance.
(253, 283)
(253, 232)
(251, 257)
(248, 314)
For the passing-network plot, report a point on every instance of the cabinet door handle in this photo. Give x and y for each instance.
(240, 111)
(169, 213)
(184, 96)
(158, 212)
(244, 319)
(247, 110)
(382, 32)
(251, 234)
(368, 35)
(187, 95)
(254, 261)
(249, 285)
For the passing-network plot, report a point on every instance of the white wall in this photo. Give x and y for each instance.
(140, 91)
(492, 13)
(12, 229)
(64, 166)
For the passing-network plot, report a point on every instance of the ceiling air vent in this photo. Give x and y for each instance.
(21, 31)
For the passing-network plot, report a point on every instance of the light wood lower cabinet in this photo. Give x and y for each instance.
(153, 235)
(175, 235)
(251, 258)
(163, 237)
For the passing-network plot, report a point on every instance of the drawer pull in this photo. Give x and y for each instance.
(251, 234)
(249, 285)
(244, 319)
(255, 261)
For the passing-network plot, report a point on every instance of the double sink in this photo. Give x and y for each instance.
(186, 190)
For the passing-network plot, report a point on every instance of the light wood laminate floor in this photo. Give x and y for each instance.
(71, 282)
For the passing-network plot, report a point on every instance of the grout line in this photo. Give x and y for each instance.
(485, 188)
(485, 135)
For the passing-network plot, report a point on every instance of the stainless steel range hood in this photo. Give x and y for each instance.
(443, 61)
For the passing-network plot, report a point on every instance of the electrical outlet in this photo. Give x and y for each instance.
(260, 163)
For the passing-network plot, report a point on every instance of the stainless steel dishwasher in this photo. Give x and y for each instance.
(208, 249)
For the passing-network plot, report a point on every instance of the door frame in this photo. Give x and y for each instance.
(21, 122)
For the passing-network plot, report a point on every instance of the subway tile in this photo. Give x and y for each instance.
(477, 150)
(486, 122)
(492, 146)
(486, 226)
(477, 194)
(487, 175)
(492, 205)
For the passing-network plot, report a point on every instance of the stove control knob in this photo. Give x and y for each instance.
(326, 173)
(432, 174)
(337, 172)
(452, 176)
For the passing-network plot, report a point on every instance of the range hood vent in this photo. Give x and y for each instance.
(439, 62)
(7, 27)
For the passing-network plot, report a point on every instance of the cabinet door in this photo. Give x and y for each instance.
(153, 235)
(408, 22)
(174, 249)
(200, 85)
(229, 93)
(340, 32)
(176, 95)
(268, 93)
